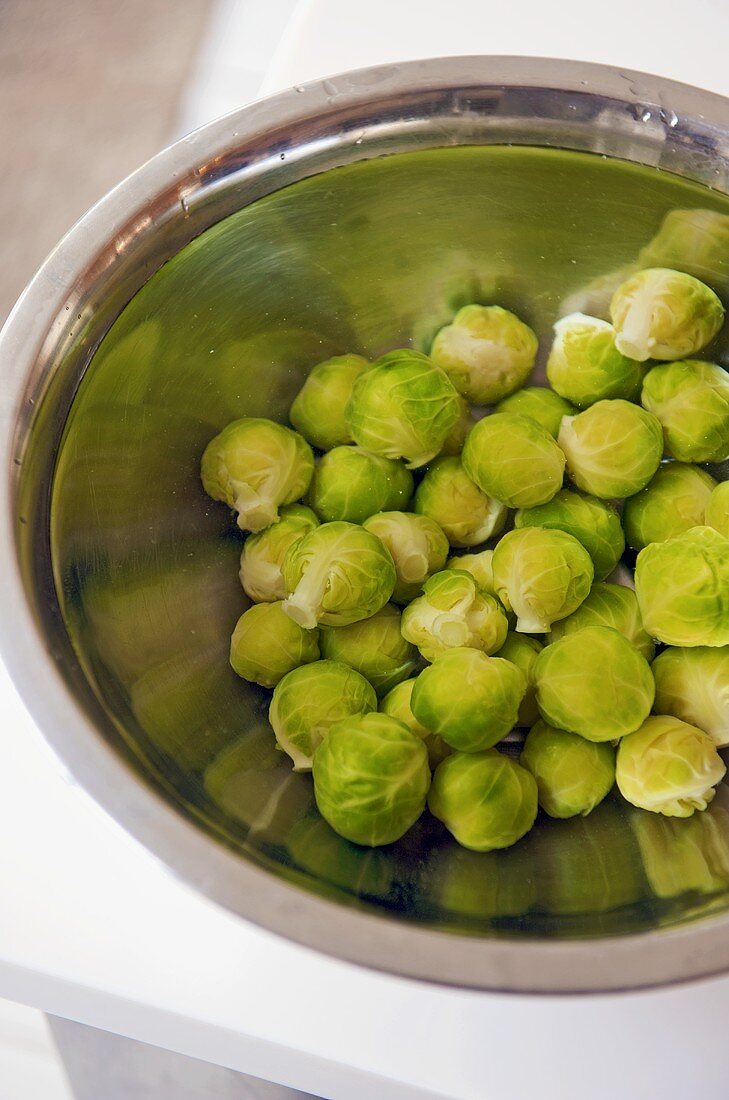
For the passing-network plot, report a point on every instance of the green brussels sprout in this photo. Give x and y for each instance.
(695, 241)
(417, 545)
(485, 799)
(693, 685)
(584, 366)
(682, 587)
(538, 403)
(541, 575)
(573, 775)
(263, 554)
(266, 644)
(404, 406)
(487, 352)
(374, 647)
(717, 509)
(397, 704)
(594, 683)
(310, 700)
(467, 515)
(668, 767)
(371, 777)
(480, 886)
(514, 459)
(522, 651)
(252, 783)
(691, 401)
(318, 408)
(611, 605)
(459, 432)
(452, 612)
(613, 448)
(480, 566)
(684, 855)
(254, 466)
(674, 501)
(663, 314)
(328, 857)
(337, 574)
(350, 484)
(475, 718)
(594, 523)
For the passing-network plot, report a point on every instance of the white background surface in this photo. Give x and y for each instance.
(92, 927)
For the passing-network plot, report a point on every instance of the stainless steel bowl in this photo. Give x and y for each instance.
(353, 214)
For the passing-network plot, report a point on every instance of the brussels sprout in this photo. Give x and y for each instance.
(682, 587)
(668, 767)
(695, 241)
(374, 647)
(480, 886)
(397, 704)
(613, 448)
(417, 545)
(318, 408)
(682, 855)
(693, 685)
(486, 351)
(404, 406)
(308, 701)
(351, 484)
(371, 777)
(255, 466)
(573, 775)
(691, 401)
(470, 699)
(252, 783)
(717, 509)
(674, 501)
(263, 554)
(514, 459)
(594, 683)
(337, 574)
(479, 566)
(266, 644)
(592, 522)
(584, 366)
(611, 605)
(459, 432)
(522, 651)
(540, 404)
(485, 799)
(541, 576)
(328, 857)
(452, 612)
(664, 314)
(467, 515)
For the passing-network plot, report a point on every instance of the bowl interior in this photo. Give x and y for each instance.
(362, 258)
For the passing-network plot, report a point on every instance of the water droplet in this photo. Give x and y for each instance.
(669, 117)
(282, 156)
(16, 461)
(298, 87)
(330, 88)
(641, 113)
(184, 205)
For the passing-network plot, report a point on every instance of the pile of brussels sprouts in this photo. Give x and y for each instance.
(443, 574)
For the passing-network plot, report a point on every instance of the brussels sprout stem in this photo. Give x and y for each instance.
(413, 566)
(254, 511)
(634, 339)
(304, 605)
(450, 631)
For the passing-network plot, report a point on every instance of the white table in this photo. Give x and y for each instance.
(93, 928)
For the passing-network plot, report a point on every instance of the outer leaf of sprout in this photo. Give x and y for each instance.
(418, 547)
(371, 777)
(486, 351)
(350, 484)
(397, 704)
(480, 566)
(573, 775)
(540, 404)
(254, 466)
(337, 574)
(263, 554)
(674, 501)
(613, 448)
(485, 799)
(668, 767)
(682, 587)
(459, 432)
(374, 647)
(717, 509)
(514, 459)
(318, 409)
(266, 644)
(594, 523)
(691, 401)
(611, 605)
(584, 365)
(693, 685)
(452, 612)
(523, 651)
(310, 700)
(466, 514)
(594, 683)
(659, 313)
(541, 576)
